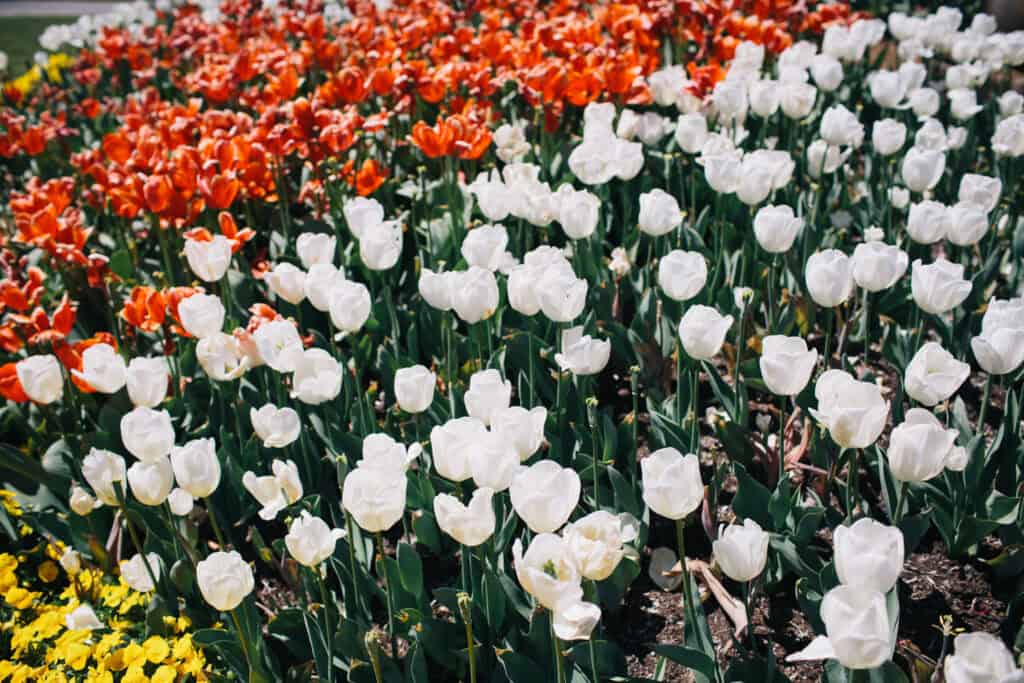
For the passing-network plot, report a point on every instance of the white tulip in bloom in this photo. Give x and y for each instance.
(71, 561)
(276, 491)
(924, 102)
(80, 501)
(382, 452)
(494, 463)
(741, 551)
(562, 295)
(920, 448)
(999, 349)
(82, 618)
(484, 246)
(136, 575)
(104, 471)
(147, 433)
(224, 579)
(475, 295)
(829, 277)
(362, 214)
(776, 228)
(691, 132)
(438, 289)
(350, 305)
(823, 158)
(202, 315)
(320, 283)
(827, 72)
(786, 364)
(779, 163)
(857, 625)
(968, 223)
(544, 495)
(578, 211)
(938, 287)
(487, 394)
(310, 541)
(933, 374)
(853, 412)
(151, 481)
(209, 260)
(928, 222)
(582, 354)
(931, 136)
(888, 136)
(575, 619)
(981, 658)
(595, 544)
(41, 378)
(276, 427)
(963, 103)
(702, 331)
(196, 467)
(841, 127)
(315, 248)
(899, 197)
(380, 246)
(470, 524)
(221, 357)
(764, 97)
(729, 100)
(922, 168)
(797, 99)
(868, 555)
(374, 497)
(659, 213)
(546, 570)
(877, 265)
(1011, 102)
(317, 377)
(414, 388)
(981, 190)
(666, 84)
(522, 429)
(103, 369)
(181, 502)
(757, 179)
(287, 282)
(672, 484)
(1008, 139)
(147, 379)
(682, 274)
(452, 445)
(723, 172)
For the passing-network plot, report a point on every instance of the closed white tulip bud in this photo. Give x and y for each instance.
(981, 658)
(560, 293)
(672, 484)
(723, 172)
(756, 180)
(103, 369)
(956, 137)
(362, 215)
(151, 481)
(221, 357)
(317, 377)
(776, 228)
(196, 467)
(380, 451)
(484, 246)
(868, 555)
(209, 260)
(922, 168)
(933, 374)
(510, 143)
(350, 305)
(310, 541)
(147, 381)
(475, 295)
(899, 197)
(963, 103)
(702, 331)
(470, 524)
(71, 561)
(682, 274)
(494, 463)
(921, 448)
(595, 543)
(968, 223)
(778, 162)
(691, 132)
(279, 345)
(315, 248)
(41, 378)
(797, 99)
(414, 388)
(546, 571)
(928, 222)
(452, 445)
(578, 211)
(81, 502)
(823, 158)
(888, 136)
(224, 579)
(135, 573)
(786, 364)
(666, 84)
(827, 72)
(374, 497)
(981, 190)
(544, 495)
(764, 97)
(104, 471)
(181, 502)
(147, 433)
(938, 287)
(287, 282)
(522, 429)
(381, 245)
(82, 618)
(877, 265)
(729, 99)
(853, 412)
(924, 102)
(438, 289)
(582, 354)
(887, 90)
(659, 213)
(1008, 139)
(741, 551)
(575, 619)
(276, 427)
(999, 349)
(829, 277)
(857, 625)
(841, 127)
(320, 283)
(202, 315)
(487, 393)
(1011, 102)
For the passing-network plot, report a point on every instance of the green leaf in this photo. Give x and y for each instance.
(411, 569)
(694, 660)
(426, 531)
(121, 264)
(753, 500)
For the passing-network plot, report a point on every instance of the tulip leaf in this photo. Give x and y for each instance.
(411, 569)
(426, 531)
(625, 496)
(694, 660)
(753, 500)
(493, 601)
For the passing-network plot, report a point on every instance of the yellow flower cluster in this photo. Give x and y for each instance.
(28, 80)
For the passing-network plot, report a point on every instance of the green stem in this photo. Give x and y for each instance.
(120, 492)
(595, 675)
(983, 411)
(694, 421)
(352, 562)
(243, 641)
(327, 624)
(851, 486)
(782, 438)
(748, 594)
(897, 516)
(688, 605)
(387, 593)
(213, 522)
(469, 650)
(559, 673)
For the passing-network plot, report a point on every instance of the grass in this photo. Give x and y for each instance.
(19, 38)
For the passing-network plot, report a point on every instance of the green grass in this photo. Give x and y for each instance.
(19, 38)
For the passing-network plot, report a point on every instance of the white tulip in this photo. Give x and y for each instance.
(841, 127)
(857, 625)
(350, 305)
(374, 497)
(382, 452)
(151, 481)
(741, 551)
(470, 524)
(546, 571)
(452, 445)
(522, 429)
(209, 260)
(487, 394)
(934, 375)
(877, 265)
(82, 618)
(691, 132)
(999, 349)
(494, 462)
(105, 473)
(475, 295)
(103, 369)
(310, 541)
(868, 555)
(181, 502)
(797, 99)
(920, 448)
(544, 495)
(575, 619)
(786, 364)
(80, 501)
(287, 282)
(938, 287)
(578, 211)
(968, 224)
(362, 215)
(71, 561)
(275, 427)
(827, 72)
(221, 357)
(317, 377)
(315, 248)
(147, 433)
(562, 295)
(147, 380)
(484, 246)
(922, 168)
(224, 579)
(671, 482)
(659, 213)
(776, 228)
(702, 331)
(414, 388)
(888, 136)
(981, 190)
(135, 573)
(595, 544)
(201, 315)
(438, 289)
(320, 283)
(682, 274)
(823, 158)
(928, 222)
(380, 246)
(829, 277)
(582, 354)
(853, 412)
(41, 378)
(981, 658)
(196, 467)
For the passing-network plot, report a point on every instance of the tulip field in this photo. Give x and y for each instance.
(487, 341)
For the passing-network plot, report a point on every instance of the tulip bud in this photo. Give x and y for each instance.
(320, 283)
(522, 429)
(147, 433)
(209, 260)
(575, 619)
(147, 381)
(578, 211)
(841, 127)
(823, 158)
(723, 172)
(582, 354)
(380, 246)
(797, 99)
(470, 524)
(224, 579)
(276, 427)
(196, 467)
(853, 412)
(451, 445)
(920, 448)
(981, 658)
(786, 364)
(888, 136)
(41, 378)
(181, 502)
(756, 180)
(691, 132)
(981, 191)
(877, 265)
(928, 222)
(868, 555)
(827, 72)
(967, 224)
(999, 349)
(310, 541)
(487, 393)
(317, 377)
(82, 618)
(829, 277)
(374, 497)
(940, 286)
(742, 551)
(671, 482)
(103, 471)
(764, 97)
(414, 388)
(484, 246)
(924, 102)
(475, 295)
(380, 451)
(659, 213)
(135, 572)
(922, 168)
(315, 248)
(151, 481)
(933, 375)
(438, 289)
(287, 282)
(682, 274)
(80, 500)
(702, 331)
(546, 571)
(544, 495)
(776, 228)
(963, 103)
(202, 315)
(102, 368)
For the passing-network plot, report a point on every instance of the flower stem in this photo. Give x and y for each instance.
(559, 673)
(748, 594)
(595, 676)
(243, 641)
(213, 522)
(983, 411)
(691, 612)
(782, 437)
(851, 486)
(327, 624)
(387, 593)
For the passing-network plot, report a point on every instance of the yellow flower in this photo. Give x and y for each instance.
(47, 572)
(99, 677)
(78, 656)
(19, 598)
(10, 503)
(156, 649)
(165, 674)
(135, 674)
